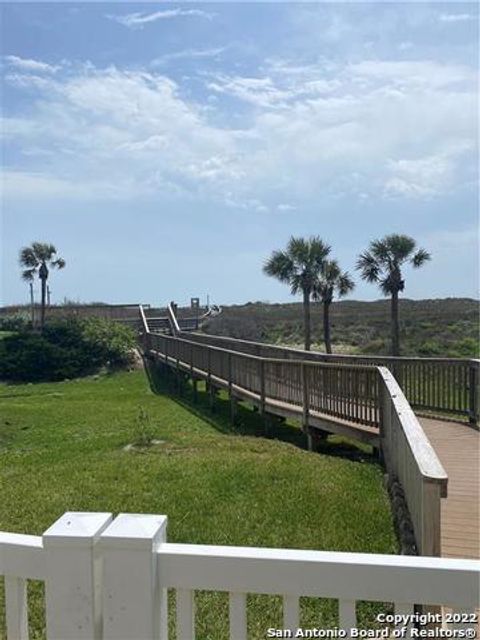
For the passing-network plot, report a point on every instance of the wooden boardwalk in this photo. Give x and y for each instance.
(457, 446)
(361, 402)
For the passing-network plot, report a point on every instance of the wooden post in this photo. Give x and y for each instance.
(306, 405)
(179, 382)
(233, 407)
(134, 602)
(211, 390)
(262, 394)
(73, 584)
(473, 394)
(430, 542)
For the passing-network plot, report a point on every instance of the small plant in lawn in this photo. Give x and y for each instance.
(144, 430)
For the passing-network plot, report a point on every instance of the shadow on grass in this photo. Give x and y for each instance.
(248, 421)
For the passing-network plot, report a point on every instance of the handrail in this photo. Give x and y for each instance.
(331, 356)
(173, 320)
(410, 458)
(143, 319)
(445, 385)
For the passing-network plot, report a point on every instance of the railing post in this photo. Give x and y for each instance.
(397, 370)
(262, 386)
(134, 603)
(430, 541)
(73, 584)
(473, 392)
(211, 390)
(233, 404)
(306, 405)
(177, 369)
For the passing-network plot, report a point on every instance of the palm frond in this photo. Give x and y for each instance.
(344, 284)
(297, 284)
(44, 251)
(299, 252)
(59, 263)
(330, 271)
(28, 258)
(420, 258)
(400, 246)
(386, 285)
(280, 266)
(28, 274)
(369, 267)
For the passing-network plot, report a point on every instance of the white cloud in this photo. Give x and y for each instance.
(455, 17)
(22, 185)
(187, 54)
(413, 73)
(26, 64)
(139, 19)
(261, 92)
(365, 128)
(285, 208)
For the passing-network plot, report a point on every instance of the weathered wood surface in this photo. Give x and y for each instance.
(457, 447)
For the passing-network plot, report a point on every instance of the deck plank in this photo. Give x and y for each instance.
(457, 446)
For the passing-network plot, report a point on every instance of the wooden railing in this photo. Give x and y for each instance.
(410, 458)
(445, 385)
(342, 391)
(108, 578)
(360, 394)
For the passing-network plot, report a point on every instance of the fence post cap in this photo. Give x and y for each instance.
(135, 530)
(77, 527)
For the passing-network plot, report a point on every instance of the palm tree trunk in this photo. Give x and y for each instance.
(306, 319)
(326, 327)
(44, 292)
(395, 325)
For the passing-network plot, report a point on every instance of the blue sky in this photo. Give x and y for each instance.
(167, 148)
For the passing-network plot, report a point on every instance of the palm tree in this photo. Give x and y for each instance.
(299, 266)
(331, 282)
(382, 263)
(37, 259)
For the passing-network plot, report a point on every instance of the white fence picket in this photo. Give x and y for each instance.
(291, 612)
(185, 614)
(404, 609)
(347, 614)
(238, 616)
(16, 608)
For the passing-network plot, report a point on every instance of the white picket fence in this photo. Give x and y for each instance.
(107, 578)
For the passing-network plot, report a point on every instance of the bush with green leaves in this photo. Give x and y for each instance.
(15, 322)
(66, 348)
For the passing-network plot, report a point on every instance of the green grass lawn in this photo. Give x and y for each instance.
(62, 448)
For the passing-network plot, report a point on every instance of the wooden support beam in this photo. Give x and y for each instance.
(233, 409)
(306, 406)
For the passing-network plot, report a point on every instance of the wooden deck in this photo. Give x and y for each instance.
(457, 446)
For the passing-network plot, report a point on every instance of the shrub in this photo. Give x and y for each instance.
(67, 348)
(15, 322)
(112, 341)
